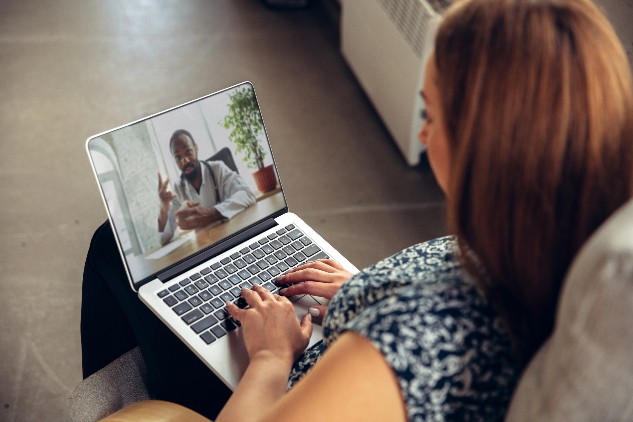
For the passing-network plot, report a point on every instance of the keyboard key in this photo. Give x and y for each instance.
(195, 276)
(253, 269)
(280, 231)
(249, 259)
(195, 301)
(208, 337)
(185, 282)
(263, 241)
(244, 251)
(230, 268)
(211, 279)
(218, 331)
(221, 314)
(215, 290)
(236, 291)
(305, 240)
(258, 254)
(321, 255)
(299, 257)
(272, 236)
(311, 250)
(215, 266)
(235, 279)
(182, 308)
(220, 273)
(273, 271)
(201, 284)
(170, 300)
(290, 227)
(228, 325)
(240, 263)
(271, 259)
(241, 303)
(295, 234)
(284, 240)
(267, 249)
(217, 303)
(205, 271)
(174, 287)
(181, 295)
(192, 316)
(226, 297)
(264, 276)
(204, 323)
(282, 267)
(275, 244)
(244, 274)
(297, 245)
(235, 255)
(253, 246)
(163, 293)
(289, 250)
(206, 308)
(280, 255)
(225, 285)
(192, 290)
(291, 262)
(225, 261)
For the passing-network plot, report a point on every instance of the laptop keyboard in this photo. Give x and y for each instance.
(200, 300)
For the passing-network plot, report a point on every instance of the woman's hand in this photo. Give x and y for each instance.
(319, 278)
(270, 325)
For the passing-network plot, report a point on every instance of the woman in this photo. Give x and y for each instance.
(528, 125)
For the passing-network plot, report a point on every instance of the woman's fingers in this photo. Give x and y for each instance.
(327, 265)
(310, 287)
(252, 297)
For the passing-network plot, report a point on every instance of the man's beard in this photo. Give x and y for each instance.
(195, 174)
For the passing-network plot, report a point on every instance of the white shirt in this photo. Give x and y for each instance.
(234, 195)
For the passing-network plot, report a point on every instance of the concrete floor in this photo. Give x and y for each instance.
(71, 69)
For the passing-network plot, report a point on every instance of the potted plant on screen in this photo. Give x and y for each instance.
(246, 125)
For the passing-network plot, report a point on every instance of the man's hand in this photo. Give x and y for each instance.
(193, 216)
(165, 195)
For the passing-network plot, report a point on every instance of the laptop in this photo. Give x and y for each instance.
(184, 262)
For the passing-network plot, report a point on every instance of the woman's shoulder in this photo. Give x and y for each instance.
(441, 336)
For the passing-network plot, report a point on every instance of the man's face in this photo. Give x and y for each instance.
(185, 154)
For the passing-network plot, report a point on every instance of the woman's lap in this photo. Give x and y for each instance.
(114, 320)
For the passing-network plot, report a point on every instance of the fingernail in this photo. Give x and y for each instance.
(315, 312)
(282, 291)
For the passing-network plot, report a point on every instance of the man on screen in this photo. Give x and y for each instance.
(207, 191)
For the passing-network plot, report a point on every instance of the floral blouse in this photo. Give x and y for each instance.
(442, 338)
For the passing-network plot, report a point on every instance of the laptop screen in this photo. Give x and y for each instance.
(181, 181)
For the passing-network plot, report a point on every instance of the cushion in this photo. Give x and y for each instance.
(584, 371)
(111, 388)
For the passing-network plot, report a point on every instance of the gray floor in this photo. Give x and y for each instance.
(74, 68)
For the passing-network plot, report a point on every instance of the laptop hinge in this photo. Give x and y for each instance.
(207, 254)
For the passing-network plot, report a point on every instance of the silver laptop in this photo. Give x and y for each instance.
(198, 211)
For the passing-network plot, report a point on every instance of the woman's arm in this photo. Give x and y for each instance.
(352, 380)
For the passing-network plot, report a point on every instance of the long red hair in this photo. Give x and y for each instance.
(538, 103)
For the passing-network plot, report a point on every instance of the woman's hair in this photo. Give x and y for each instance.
(538, 104)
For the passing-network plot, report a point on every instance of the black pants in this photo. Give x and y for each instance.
(114, 320)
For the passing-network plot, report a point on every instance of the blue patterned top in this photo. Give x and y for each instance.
(442, 338)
